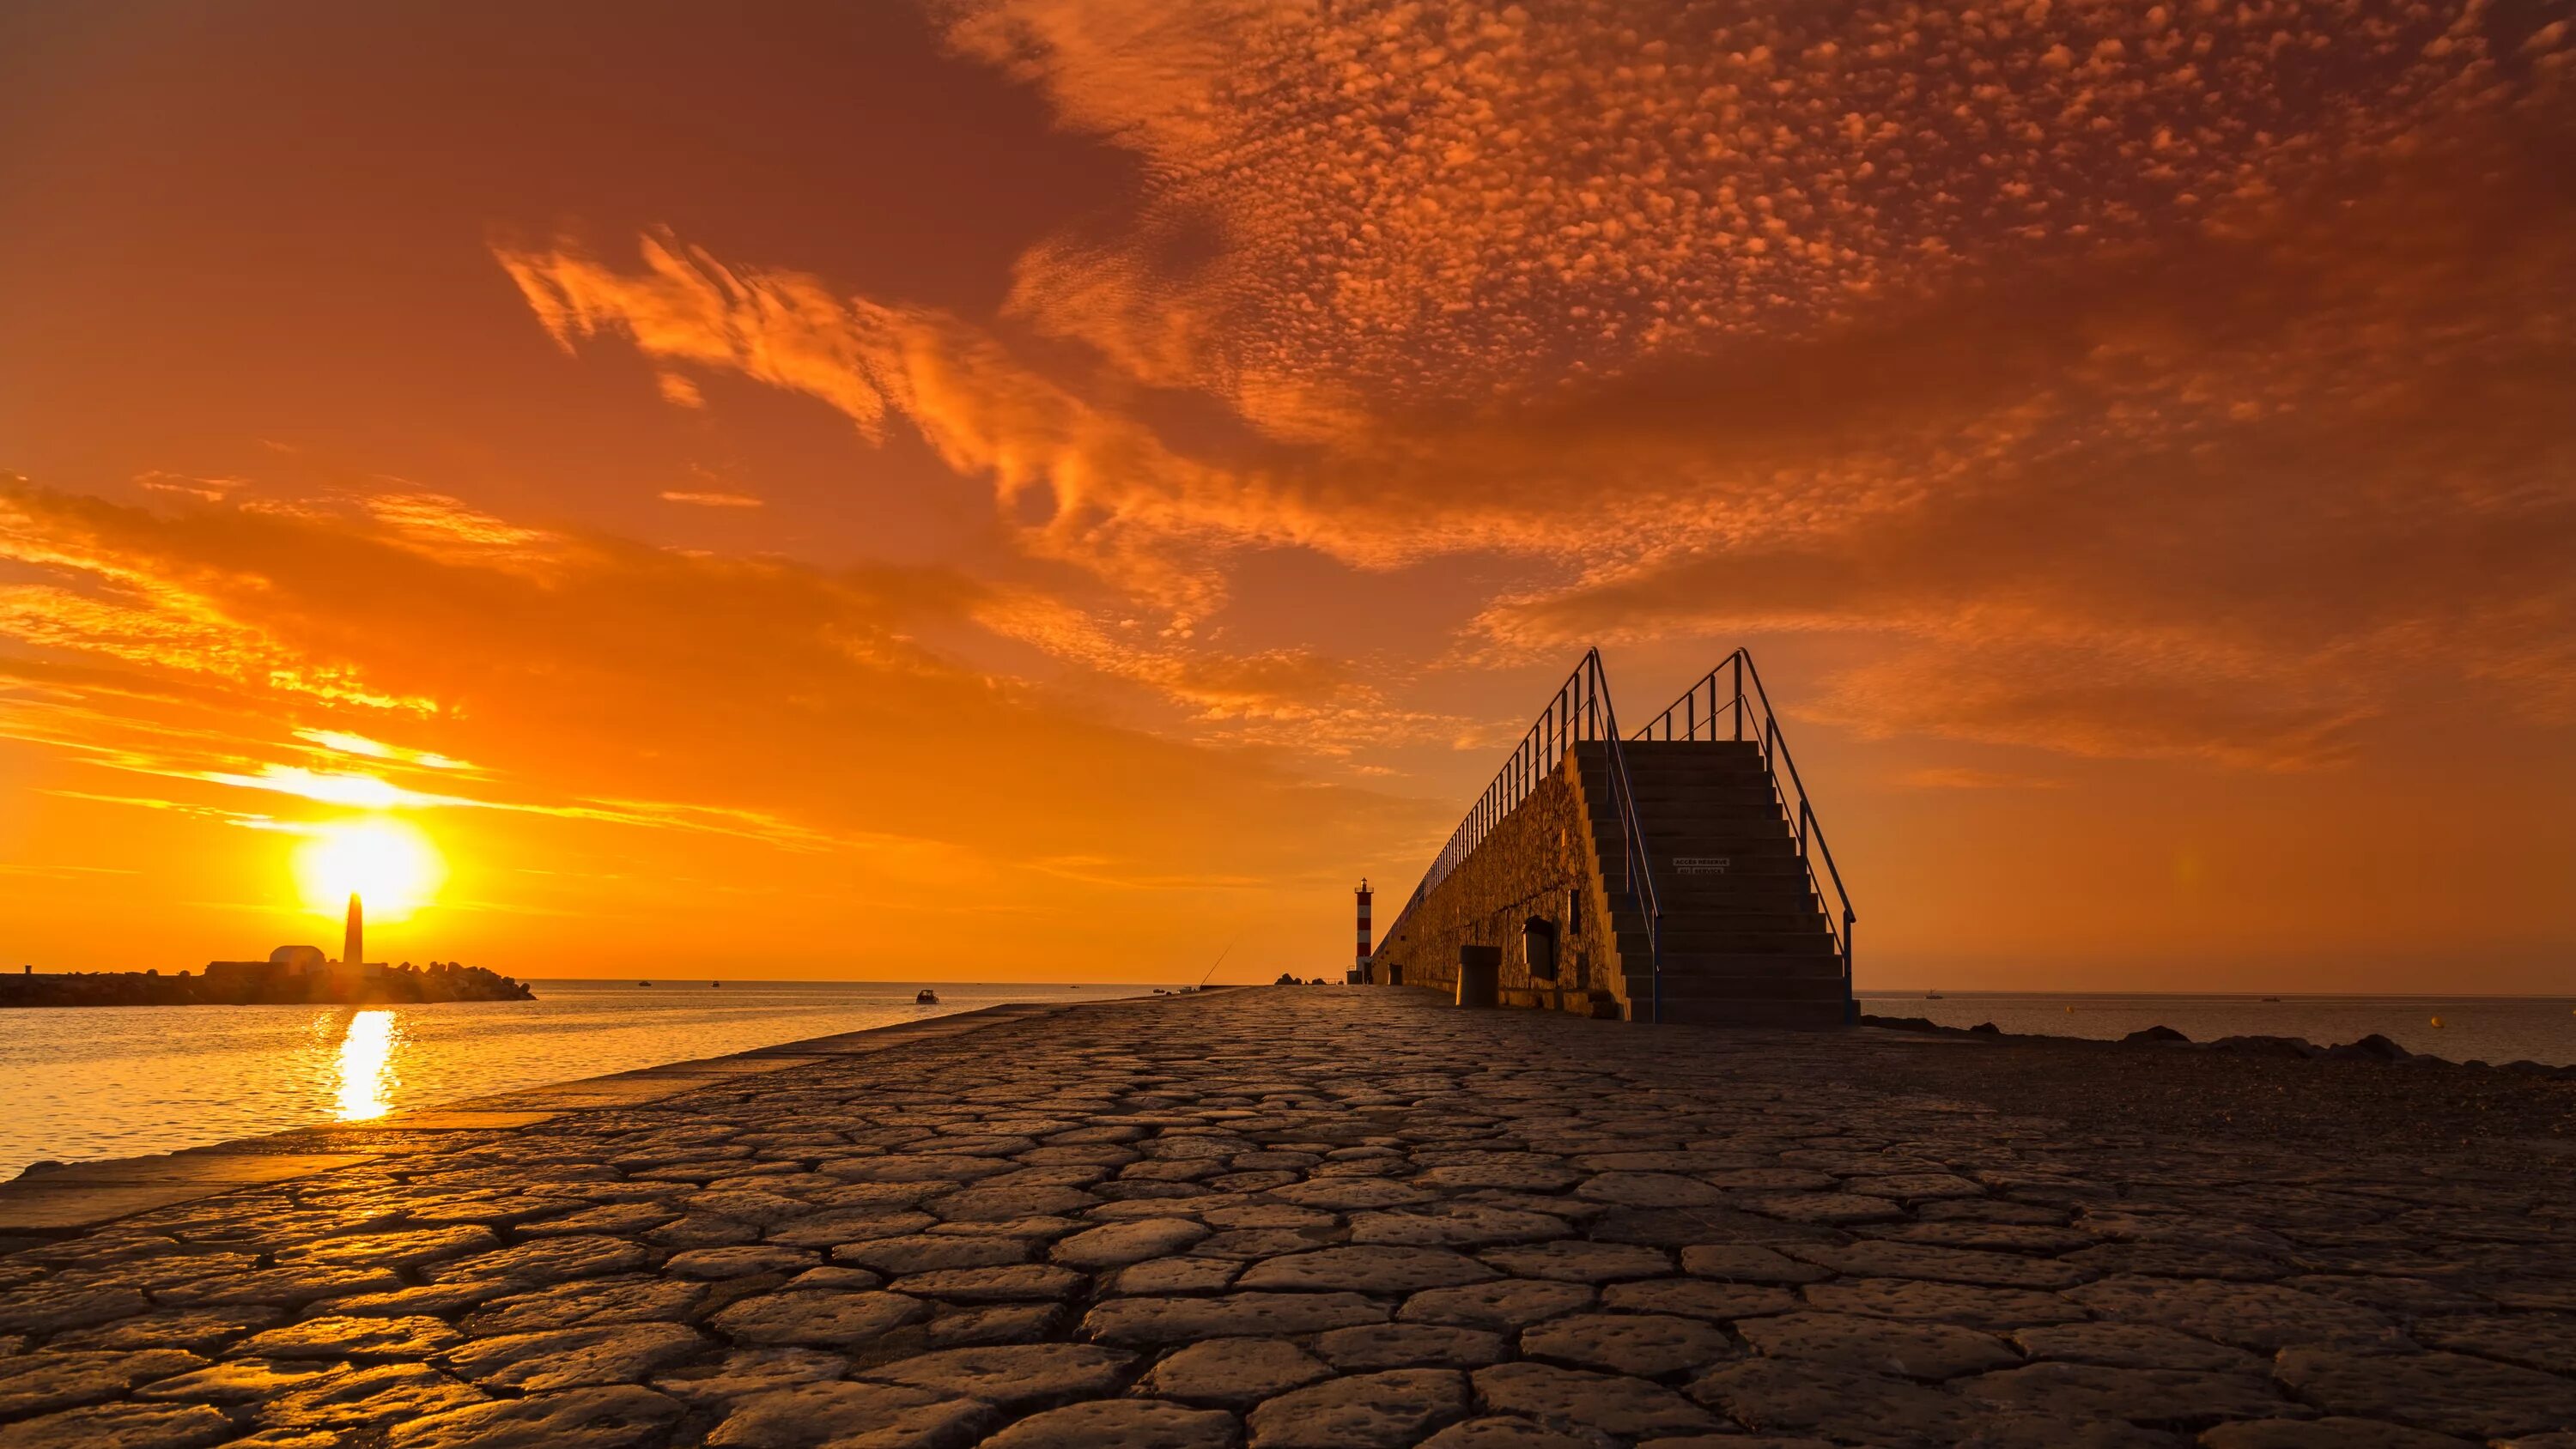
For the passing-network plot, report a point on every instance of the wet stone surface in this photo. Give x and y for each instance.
(1283, 1218)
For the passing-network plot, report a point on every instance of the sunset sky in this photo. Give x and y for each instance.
(1042, 489)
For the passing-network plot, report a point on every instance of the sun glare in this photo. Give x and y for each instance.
(367, 1079)
(389, 862)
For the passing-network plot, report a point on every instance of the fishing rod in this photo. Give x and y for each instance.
(1219, 961)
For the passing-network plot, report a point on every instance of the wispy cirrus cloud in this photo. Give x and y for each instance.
(1108, 494)
(2225, 468)
(342, 742)
(616, 686)
(2038, 338)
(1360, 203)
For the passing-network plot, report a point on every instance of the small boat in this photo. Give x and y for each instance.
(2271, 998)
(643, 983)
(925, 997)
(713, 985)
(1931, 995)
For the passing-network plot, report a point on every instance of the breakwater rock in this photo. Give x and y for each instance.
(2372, 1048)
(394, 985)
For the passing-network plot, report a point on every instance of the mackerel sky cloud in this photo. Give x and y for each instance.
(1033, 449)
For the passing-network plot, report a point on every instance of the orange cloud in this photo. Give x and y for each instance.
(1108, 492)
(620, 685)
(349, 744)
(1379, 201)
(2226, 467)
(2176, 385)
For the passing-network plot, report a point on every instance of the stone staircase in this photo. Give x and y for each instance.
(1745, 941)
(1739, 917)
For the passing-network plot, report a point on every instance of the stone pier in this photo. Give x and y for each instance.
(1312, 1218)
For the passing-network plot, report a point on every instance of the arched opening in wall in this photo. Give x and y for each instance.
(1539, 950)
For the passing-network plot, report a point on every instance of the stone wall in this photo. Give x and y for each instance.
(1542, 860)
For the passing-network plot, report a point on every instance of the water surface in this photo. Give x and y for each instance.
(120, 1081)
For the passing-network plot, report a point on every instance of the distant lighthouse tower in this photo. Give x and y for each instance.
(353, 950)
(1359, 966)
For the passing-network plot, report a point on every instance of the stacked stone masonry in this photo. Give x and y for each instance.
(1555, 857)
(1298, 1218)
(1738, 935)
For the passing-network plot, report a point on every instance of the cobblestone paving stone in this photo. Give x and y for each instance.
(1306, 1219)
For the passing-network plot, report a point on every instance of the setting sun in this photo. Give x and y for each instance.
(387, 861)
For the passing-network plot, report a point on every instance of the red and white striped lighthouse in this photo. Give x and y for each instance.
(1362, 962)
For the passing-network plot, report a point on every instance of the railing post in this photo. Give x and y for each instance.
(1739, 693)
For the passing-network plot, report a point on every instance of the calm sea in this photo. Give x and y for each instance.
(116, 1082)
(2494, 1030)
(121, 1081)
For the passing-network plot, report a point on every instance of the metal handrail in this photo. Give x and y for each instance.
(1691, 722)
(1638, 868)
(1580, 712)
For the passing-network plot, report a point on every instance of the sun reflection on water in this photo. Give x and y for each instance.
(367, 1077)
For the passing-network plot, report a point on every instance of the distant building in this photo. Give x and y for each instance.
(302, 963)
(284, 963)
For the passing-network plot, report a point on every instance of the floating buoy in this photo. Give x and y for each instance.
(2437, 1021)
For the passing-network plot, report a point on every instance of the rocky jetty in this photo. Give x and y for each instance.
(1304, 1219)
(393, 985)
(2372, 1048)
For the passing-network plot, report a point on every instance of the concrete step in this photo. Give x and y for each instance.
(1793, 909)
(1790, 1015)
(1667, 816)
(1670, 762)
(1677, 817)
(1731, 772)
(1752, 812)
(1668, 770)
(1738, 965)
(1784, 910)
(1680, 987)
(1791, 915)
(1678, 838)
(1678, 752)
(1658, 823)
(1699, 917)
(1705, 870)
(1749, 779)
(1740, 865)
(1742, 894)
(1814, 941)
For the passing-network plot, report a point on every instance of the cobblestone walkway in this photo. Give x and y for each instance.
(1320, 1218)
